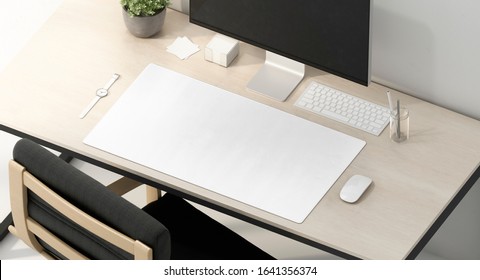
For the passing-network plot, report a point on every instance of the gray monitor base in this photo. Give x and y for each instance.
(278, 77)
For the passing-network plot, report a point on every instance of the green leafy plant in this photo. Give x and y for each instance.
(144, 7)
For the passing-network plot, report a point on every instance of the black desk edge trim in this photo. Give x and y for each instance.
(413, 254)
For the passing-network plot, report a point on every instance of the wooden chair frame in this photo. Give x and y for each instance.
(27, 228)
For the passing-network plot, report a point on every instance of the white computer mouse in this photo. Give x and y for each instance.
(354, 188)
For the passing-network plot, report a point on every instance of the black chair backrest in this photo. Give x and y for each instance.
(91, 197)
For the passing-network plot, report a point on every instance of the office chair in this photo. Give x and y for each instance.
(65, 214)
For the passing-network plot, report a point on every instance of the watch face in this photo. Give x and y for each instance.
(101, 92)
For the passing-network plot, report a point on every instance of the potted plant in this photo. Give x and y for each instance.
(144, 18)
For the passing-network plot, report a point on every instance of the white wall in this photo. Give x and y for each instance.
(429, 49)
(180, 5)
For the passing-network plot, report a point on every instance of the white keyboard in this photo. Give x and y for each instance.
(345, 108)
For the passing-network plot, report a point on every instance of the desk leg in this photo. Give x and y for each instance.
(4, 226)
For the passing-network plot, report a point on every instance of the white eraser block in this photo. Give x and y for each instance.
(221, 50)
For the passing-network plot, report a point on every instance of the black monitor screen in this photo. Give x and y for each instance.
(332, 35)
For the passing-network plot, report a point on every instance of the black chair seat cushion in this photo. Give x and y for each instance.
(194, 235)
(91, 197)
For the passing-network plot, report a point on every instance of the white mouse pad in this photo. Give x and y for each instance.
(225, 143)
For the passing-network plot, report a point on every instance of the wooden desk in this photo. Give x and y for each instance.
(416, 184)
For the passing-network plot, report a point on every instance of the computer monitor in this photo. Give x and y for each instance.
(331, 35)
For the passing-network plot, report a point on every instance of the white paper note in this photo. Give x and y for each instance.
(183, 48)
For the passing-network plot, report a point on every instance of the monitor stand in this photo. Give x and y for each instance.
(278, 77)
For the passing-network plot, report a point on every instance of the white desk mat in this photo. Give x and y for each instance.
(225, 143)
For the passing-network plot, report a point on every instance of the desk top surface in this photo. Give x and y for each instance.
(56, 75)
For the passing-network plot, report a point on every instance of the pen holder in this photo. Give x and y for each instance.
(399, 124)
